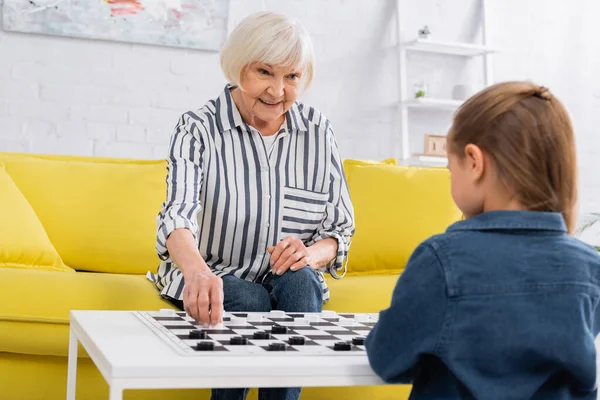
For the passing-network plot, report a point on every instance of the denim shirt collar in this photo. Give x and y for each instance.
(512, 220)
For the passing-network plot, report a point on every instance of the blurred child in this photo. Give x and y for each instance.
(504, 305)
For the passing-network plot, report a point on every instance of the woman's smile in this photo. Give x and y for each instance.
(270, 104)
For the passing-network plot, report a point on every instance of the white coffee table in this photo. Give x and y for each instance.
(131, 356)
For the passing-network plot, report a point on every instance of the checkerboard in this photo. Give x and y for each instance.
(240, 334)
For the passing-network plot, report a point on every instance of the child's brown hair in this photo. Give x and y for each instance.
(528, 134)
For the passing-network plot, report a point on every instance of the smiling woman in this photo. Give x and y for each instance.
(268, 91)
(270, 59)
(257, 207)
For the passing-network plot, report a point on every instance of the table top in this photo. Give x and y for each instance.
(122, 346)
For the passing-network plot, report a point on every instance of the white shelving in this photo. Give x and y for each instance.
(457, 49)
(426, 161)
(434, 46)
(428, 102)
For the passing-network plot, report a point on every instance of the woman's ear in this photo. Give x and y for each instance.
(474, 162)
(243, 75)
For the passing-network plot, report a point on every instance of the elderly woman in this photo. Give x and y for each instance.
(257, 204)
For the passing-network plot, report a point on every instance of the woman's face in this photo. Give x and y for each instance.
(269, 90)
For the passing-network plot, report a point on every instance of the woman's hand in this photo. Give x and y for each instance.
(203, 290)
(203, 296)
(290, 253)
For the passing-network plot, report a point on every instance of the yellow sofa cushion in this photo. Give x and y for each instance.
(396, 207)
(23, 240)
(360, 294)
(387, 161)
(350, 164)
(100, 213)
(35, 305)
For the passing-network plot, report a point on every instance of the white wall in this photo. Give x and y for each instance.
(65, 95)
(71, 96)
(556, 43)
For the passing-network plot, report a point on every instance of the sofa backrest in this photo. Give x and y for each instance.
(100, 213)
(396, 208)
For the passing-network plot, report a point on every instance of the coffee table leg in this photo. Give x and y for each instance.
(116, 393)
(72, 366)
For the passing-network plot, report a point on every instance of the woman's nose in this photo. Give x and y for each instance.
(277, 88)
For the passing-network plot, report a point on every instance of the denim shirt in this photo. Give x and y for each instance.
(503, 305)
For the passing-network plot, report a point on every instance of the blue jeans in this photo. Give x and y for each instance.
(298, 291)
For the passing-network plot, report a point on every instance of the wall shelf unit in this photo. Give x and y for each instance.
(409, 102)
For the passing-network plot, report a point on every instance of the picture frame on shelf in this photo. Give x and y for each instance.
(435, 145)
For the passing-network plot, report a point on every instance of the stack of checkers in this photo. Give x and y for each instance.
(273, 333)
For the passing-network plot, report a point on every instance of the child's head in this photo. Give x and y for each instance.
(511, 146)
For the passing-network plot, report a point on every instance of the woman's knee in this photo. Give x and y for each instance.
(259, 302)
(299, 291)
(305, 279)
(241, 295)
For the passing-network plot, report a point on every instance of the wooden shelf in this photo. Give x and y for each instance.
(429, 102)
(456, 48)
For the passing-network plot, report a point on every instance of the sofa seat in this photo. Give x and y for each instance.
(39, 322)
(360, 293)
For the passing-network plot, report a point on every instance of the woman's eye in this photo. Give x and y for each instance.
(263, 71)
(294, 76)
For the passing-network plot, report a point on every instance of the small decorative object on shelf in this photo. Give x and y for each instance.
(435, 145)
(424, 32)
(463, 92)
(420, 89)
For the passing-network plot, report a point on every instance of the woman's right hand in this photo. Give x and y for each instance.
(203, 296)
(202, 290)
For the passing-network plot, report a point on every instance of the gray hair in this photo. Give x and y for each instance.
(269, 38)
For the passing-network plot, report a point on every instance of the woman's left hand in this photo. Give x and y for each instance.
(290, 253)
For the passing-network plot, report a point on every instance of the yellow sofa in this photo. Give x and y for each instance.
(78, 233)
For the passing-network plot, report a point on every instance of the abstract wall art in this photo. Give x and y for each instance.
(197, 24)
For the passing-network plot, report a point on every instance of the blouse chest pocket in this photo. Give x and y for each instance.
(302, 213)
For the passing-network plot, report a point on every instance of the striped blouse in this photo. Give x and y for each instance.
(238, 197)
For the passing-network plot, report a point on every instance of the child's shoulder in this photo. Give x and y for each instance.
(439, 241)
(582, 249)
(456, 236)
(467, 249)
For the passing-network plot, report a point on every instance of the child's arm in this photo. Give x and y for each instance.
(413, 323)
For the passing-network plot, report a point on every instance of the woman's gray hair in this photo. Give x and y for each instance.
(269, 38)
